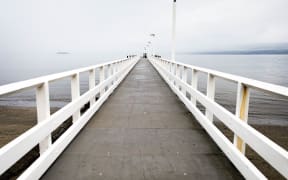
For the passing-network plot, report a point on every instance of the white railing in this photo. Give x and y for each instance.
(175, 74)
(41, 133)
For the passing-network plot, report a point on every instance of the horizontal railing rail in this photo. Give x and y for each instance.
(175, 74)
(46, 123)
(22, 85)
(263, 86)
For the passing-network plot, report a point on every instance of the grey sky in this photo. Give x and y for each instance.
(123, 26)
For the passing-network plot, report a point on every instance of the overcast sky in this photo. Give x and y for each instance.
(124, 25)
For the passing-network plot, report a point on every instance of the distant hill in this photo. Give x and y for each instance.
(248, 52)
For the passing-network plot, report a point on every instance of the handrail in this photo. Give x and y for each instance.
(268, 87)
(17, 86)
(243, 132)
(41, 132)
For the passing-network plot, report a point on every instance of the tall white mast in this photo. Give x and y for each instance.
(173, 31)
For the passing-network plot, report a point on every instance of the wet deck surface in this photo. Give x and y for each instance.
(142, 132)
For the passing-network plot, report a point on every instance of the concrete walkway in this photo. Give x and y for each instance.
(142, 132)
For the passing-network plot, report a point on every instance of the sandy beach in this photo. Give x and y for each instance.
(278, 134)
(16, 120)
(13, 122)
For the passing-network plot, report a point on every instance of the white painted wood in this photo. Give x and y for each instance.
(75, 93)
(116, 69)
(267, 149)
(177, 74)
(248, 170)
(31, 83)
(17, 148)
(263, 86)
(43, 112)
(112, 72)
(194, 84)
(184, 78)
(242, 108)
(102, 78)
(210, 94)
(92, 81)
(39, 167)
(173, 70)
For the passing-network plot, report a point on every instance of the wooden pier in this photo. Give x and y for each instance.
(144, 124)
(143, 131)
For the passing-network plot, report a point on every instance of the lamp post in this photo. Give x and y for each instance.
(152, 35)
(173, 30)
(149, 45)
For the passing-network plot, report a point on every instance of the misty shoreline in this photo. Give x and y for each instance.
(242, 52)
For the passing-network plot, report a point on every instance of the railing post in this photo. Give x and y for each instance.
(242, 107)
(184, 78)
(174, 73)
(210, 94)
(120, 65)
(194, 84)
(101, 79)
(92, 84)
(112, 72)
(43, 112)
(116, 66)
(75, 93)
(109, 73)
(178, 75)
(170, 70)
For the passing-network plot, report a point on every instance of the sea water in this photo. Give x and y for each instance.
(264, 108)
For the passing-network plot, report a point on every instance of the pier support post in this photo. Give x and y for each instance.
(75, 93)
(194, 84)
(242, 107)
(210, 94)
(92, 84)
(43, 112)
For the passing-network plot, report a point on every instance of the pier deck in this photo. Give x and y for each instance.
(142, 132)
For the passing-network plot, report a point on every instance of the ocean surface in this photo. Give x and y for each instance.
(264, 108)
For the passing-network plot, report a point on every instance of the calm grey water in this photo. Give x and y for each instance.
(264, 108)
(22, 66)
